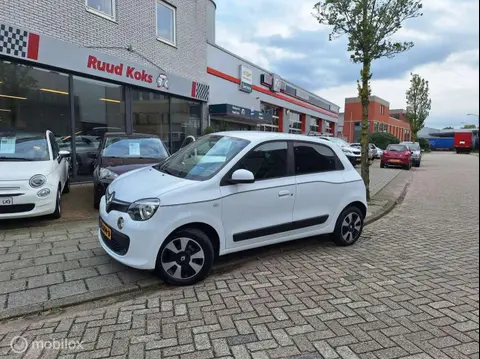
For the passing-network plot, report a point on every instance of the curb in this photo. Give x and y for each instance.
(113, 295)
(387, 208)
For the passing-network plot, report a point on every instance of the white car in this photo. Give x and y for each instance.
(33, 175)
(352, 153)
(228, 192)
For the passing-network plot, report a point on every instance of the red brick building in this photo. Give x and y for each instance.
(380, 118)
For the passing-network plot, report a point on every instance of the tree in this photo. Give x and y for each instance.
(424, 144)
(448, 128)
(369, 26)
(383, 139)
(418, 104)
(469, 126)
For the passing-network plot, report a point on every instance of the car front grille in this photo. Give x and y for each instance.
(17, 208)
(120, 243)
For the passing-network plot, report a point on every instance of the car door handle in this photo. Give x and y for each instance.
(283, 193)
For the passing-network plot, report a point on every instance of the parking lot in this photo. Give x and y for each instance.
(408, 289)
(61, 261)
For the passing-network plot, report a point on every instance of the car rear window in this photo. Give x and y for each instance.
(397, 148)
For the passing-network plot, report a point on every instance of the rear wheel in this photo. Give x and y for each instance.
(349, 226)
(186, 257)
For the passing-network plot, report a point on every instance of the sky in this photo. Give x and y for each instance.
(283, 37)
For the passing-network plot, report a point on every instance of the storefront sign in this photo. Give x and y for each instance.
(246, 79)
(239, 113)
(65, 56)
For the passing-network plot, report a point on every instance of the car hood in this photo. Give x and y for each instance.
(145, 182)
(123, 165)
(23, 170)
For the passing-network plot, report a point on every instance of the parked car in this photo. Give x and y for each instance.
(416, 151)
(85, 146)
(119, 153)
(372, 149)
(228, 192)
(379, 151)
(33, 175)
(352, 153)
(397, 156)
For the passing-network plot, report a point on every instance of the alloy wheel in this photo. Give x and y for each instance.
(182, 258)
(351, 227)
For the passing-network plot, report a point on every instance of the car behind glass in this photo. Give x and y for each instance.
(119, 153)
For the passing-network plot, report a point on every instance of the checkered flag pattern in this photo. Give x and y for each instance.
(200, 91)
(18, 43)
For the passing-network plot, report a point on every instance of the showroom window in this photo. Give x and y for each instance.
(166, 23)
(150, 114)
(34, 99)
(295, 123)
(104, 8)
(186, 120)
(99, 108)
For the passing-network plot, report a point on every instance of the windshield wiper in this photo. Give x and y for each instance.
(16, 158)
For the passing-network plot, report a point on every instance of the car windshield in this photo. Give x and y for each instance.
(397, 148)
(134, 147)
(202, 159)
(23, 146)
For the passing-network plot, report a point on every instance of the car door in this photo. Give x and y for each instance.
(261, 211)
(60, 163)
(319, 187)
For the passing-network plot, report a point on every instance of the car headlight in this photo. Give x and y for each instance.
(143, 209)
(347, 151)
(37, 181)
(106, 174)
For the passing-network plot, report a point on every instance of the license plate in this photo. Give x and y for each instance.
(462, 142)
(106, 231)
(396, 161)
(6, 201)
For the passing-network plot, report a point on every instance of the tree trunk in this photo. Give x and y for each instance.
(413, 136)
(364, 90)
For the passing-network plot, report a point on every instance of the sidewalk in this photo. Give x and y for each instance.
(49, 266)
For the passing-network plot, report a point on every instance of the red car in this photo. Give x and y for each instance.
(398, 156)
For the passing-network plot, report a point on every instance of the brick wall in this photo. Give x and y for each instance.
(135, 25)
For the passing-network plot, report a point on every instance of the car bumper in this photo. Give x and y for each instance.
(25, 202)
(416, 160)
(136, 245)
(396, 162)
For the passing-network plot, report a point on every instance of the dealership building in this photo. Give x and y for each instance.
(82, 67)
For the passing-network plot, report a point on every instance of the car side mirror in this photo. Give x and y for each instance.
(64, 154)
(242, 176)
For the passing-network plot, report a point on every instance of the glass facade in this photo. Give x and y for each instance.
(275, 112)
(295, 123)
(79, 110)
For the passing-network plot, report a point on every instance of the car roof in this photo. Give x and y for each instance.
(261, 136)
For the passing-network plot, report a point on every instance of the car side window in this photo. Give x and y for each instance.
(55, 147)
(267, 161)
(314, 158)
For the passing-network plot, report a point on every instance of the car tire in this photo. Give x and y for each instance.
(66, 187)
(382, 165)
(175, 262)
(58, 205)
(349, 226)
(96, 198)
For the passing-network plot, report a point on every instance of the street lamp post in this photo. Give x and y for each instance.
(474, 115)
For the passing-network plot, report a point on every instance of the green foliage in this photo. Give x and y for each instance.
(469, 126)
(383, 139)
(369, 26)
(208, 130)
(424, 144)
(419, 104)
(448, 128)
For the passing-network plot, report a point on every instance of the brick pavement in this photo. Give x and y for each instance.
(407, 289)
(63, 263)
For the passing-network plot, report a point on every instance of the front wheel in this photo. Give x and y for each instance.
(58, 205)
(185, 258)
(349, 226)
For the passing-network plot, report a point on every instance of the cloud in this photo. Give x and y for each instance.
(283, 37)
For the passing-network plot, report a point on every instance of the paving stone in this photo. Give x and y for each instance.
(27, 297)
(102, 282)
(80, 273)
(67, 289)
